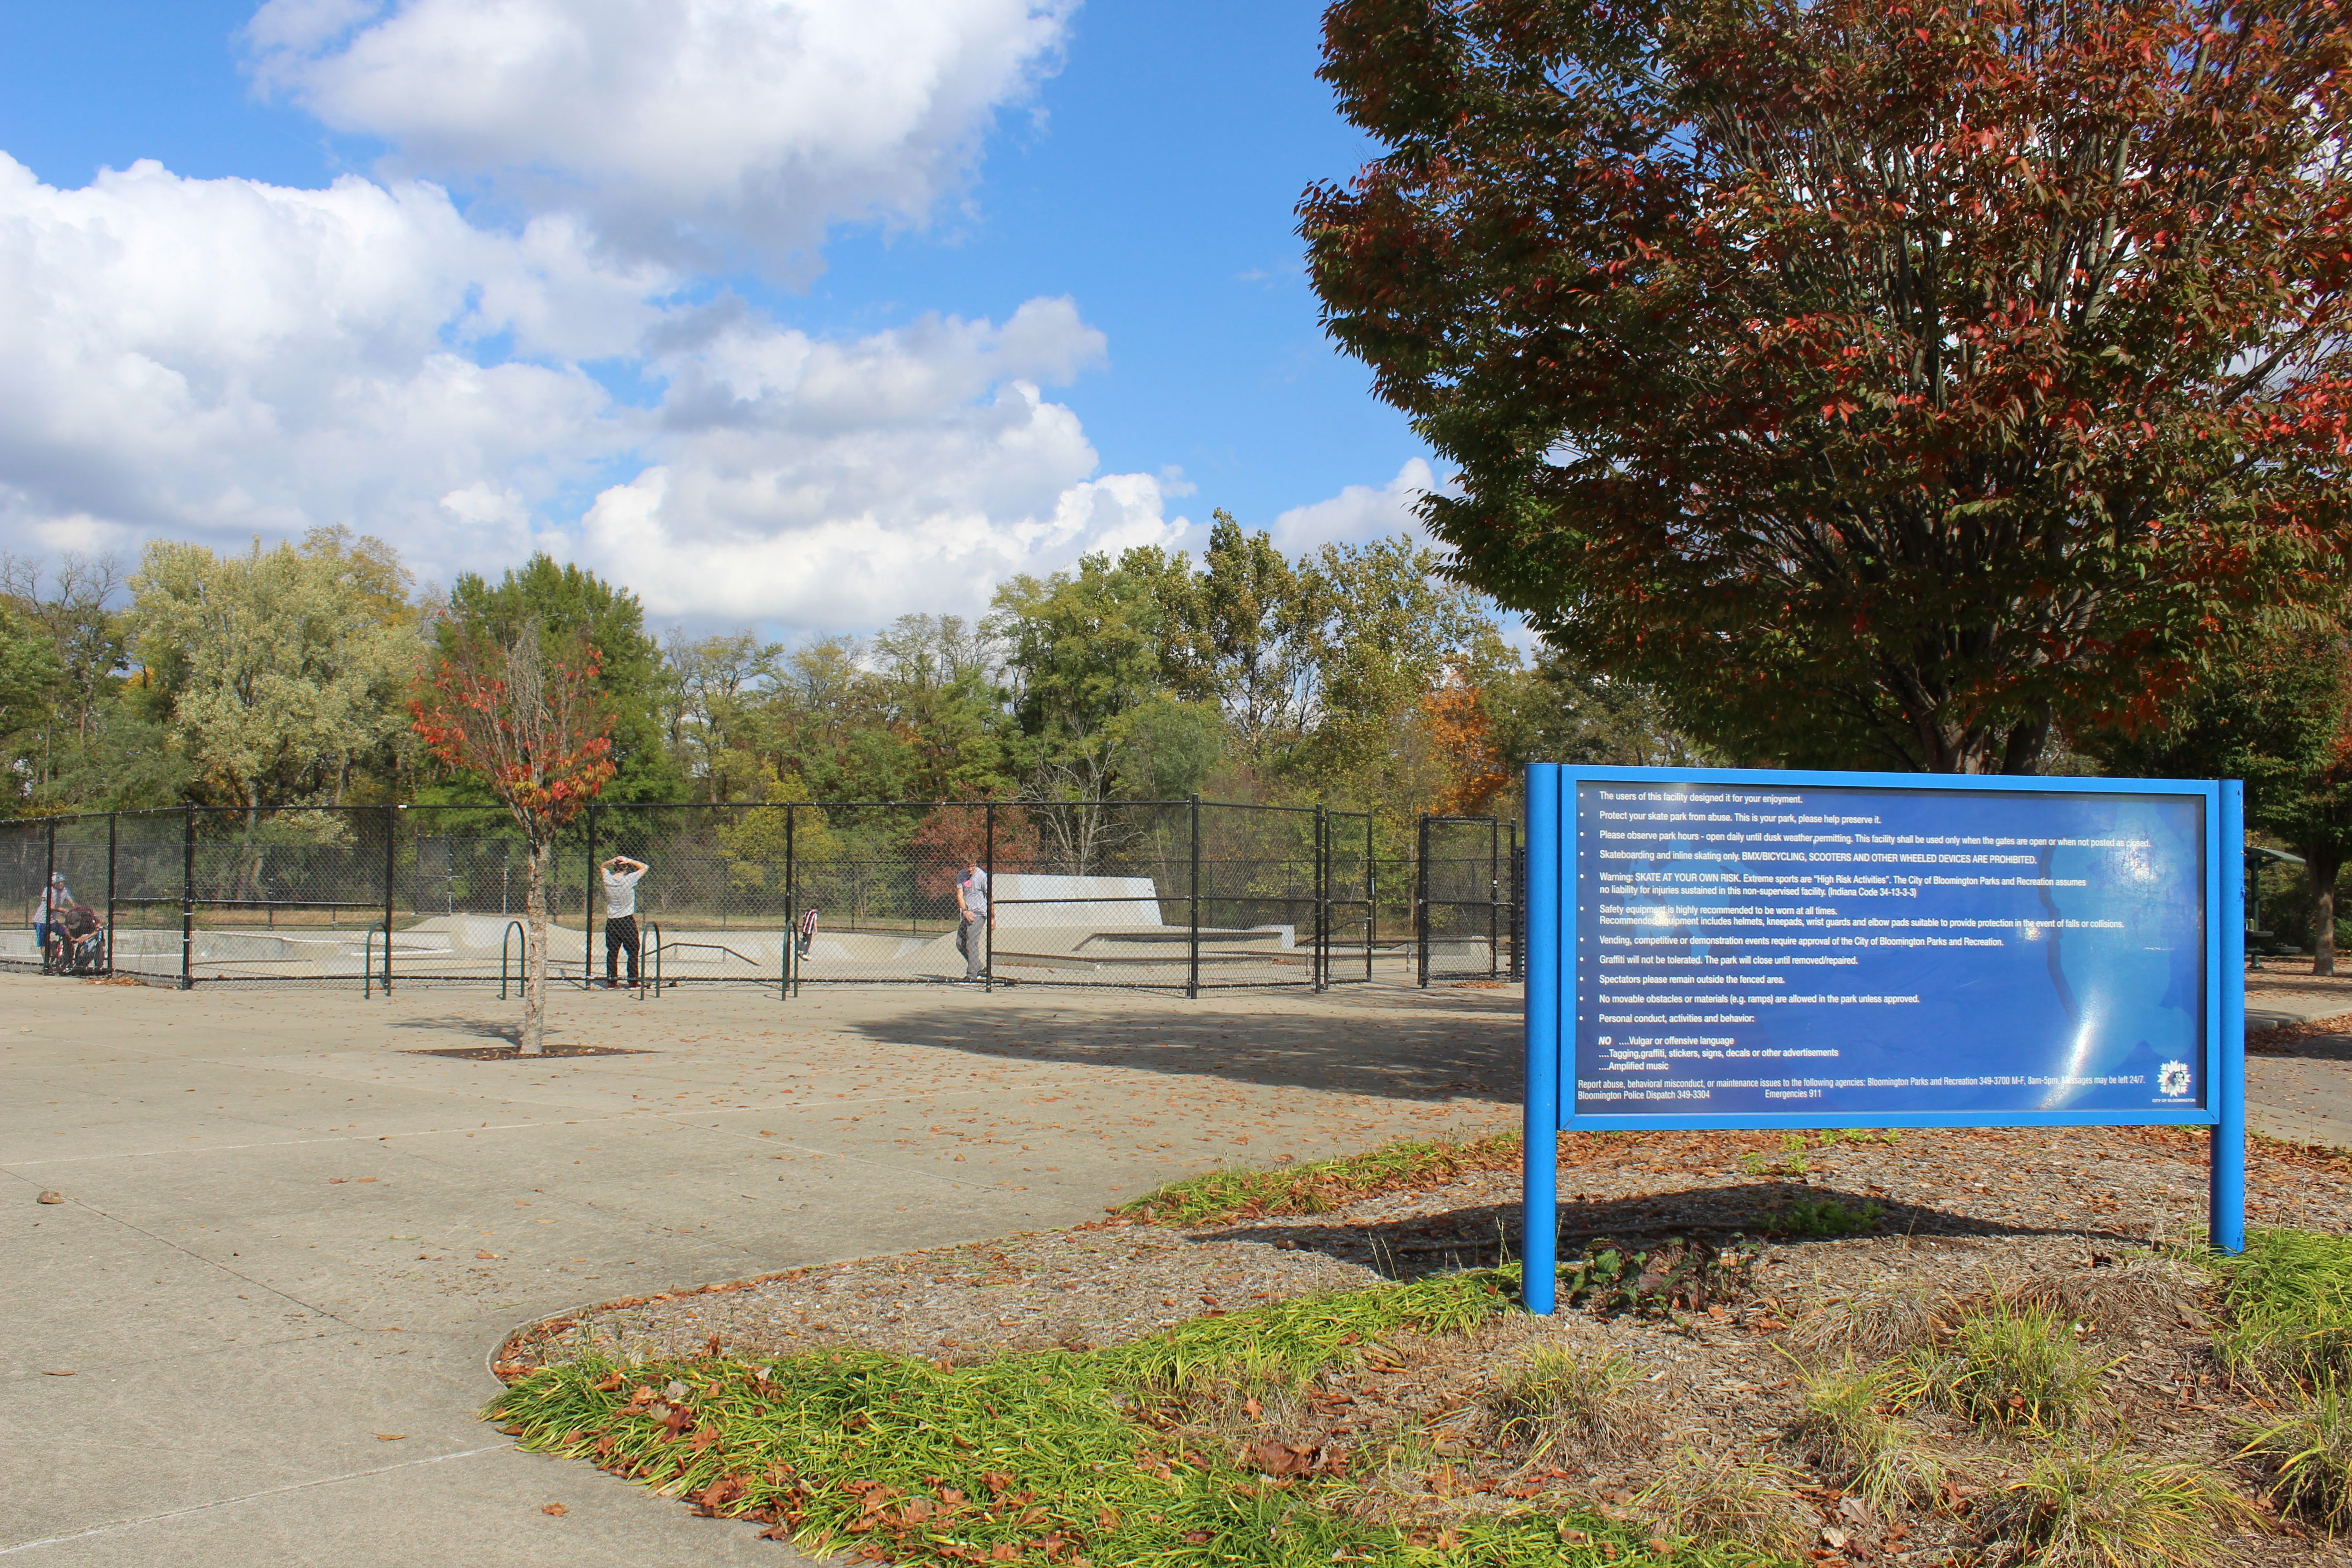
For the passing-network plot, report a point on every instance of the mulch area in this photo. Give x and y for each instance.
(1962, 1215)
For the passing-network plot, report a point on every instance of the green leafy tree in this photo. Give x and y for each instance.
(1237, 636)
(568, 602)
(281, 671)
(2279, 717)
(1384, 628)
(1886, 384)
(1082, 649)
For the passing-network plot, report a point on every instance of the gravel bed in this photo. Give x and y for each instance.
(2005, 1202)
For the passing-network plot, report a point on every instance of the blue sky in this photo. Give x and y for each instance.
(770, 358)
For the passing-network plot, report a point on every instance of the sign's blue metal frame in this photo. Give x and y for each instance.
(1552, 999)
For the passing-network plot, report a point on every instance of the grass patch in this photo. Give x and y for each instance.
(1873, 1324)
(1850, 1428)
(1701, 1500)
(2108, 1507)
(2010, 1365)
(1556, 1400)
(1319, 1186)
(1820, 1218)
(2307, 1457)
(1039, 1457)
(1286, 1343)
(2289, 1297)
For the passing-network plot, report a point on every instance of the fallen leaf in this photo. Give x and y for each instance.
(489, 1254)
(390, 1437)
(56, 1374)
(50, 1198)
(557, 1509)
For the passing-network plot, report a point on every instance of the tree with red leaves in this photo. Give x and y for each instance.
(1893, 384)
(525, 713)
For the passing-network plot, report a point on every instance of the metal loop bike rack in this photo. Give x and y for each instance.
(514, 933)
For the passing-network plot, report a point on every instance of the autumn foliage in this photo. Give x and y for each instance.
(1461, 733)
(1892, 384)
(531, 723)
(531, 720)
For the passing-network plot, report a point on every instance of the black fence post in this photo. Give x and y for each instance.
(587, 908)
(1421, 898)
(791, 906)
(188, 900)
(390, 840)
(1192, 945)
(113, 821)
(1518, 907)
(1371, 896)
(1322, 899)
(1493, 897)
(988, 868)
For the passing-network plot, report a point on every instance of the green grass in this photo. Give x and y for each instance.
(1287, 1344)
(1703, 1498)
(1036, 1458)
(2307, 1455)
(1319, 1186)
(2289, 1302)
(2007, 1364)
(1849, 1426)
(1556, 1401)
(2109, 1507)
(1822, 1218)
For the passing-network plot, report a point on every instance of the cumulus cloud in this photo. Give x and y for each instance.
(214, 358)
(837, 484)
(674, 127)
(1359, 513)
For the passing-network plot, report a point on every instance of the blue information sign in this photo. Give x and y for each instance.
(1761, 949)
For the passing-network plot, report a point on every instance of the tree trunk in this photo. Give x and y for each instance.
(2322, 868)
(534, 960)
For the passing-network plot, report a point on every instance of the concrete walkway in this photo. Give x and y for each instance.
(254, 1332)
(2299, 1088)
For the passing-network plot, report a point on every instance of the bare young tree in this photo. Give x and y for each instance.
(531, 719)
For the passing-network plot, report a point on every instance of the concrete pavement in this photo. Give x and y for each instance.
(255, 1329)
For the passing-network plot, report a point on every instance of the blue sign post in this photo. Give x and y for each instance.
(1744, 949)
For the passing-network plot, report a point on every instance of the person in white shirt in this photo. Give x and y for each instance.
(972, 937)
(621, 874)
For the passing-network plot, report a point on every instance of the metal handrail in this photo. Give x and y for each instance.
(367, 964)
(649, 966)
(514, 929)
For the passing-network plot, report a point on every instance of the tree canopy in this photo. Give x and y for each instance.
(1884, 384)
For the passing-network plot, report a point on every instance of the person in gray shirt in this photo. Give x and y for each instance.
(972, 936)
(621, 874)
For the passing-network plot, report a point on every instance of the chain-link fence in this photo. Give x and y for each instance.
(1467, 898)
(1177, 895)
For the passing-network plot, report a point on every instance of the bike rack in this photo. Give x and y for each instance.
(514, 933)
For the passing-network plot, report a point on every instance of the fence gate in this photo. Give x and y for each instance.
(1467, 875)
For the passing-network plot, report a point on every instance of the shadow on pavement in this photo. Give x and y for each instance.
(1452, 1052)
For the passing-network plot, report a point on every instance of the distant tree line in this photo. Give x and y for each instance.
(286, 675)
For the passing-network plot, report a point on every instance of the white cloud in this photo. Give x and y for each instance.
(838, 484)
(210, 359)
(213, 356)
(674, 127)
(1359, 513)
